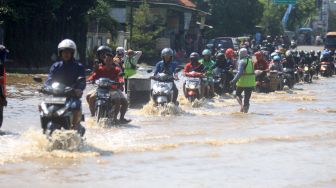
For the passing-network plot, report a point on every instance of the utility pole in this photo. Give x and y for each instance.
(131, 25)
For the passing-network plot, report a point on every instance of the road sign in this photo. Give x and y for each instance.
(293, 2)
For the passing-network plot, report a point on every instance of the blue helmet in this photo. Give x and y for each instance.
(276, 58)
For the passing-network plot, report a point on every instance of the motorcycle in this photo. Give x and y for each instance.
(276, 80)
(262, 82)
(105, 106)
(192, 89)
(298, 74)
(162, 90)
(325, 69)
(307, 74)
(222, 80)
(54, 109)
(288, 77)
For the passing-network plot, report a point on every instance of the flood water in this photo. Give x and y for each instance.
(287, 140)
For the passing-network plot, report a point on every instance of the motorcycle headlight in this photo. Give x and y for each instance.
(192, 86)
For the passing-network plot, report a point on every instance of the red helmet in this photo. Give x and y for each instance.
(258, 55)
(229, 53)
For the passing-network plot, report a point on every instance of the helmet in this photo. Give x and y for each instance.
(312, 52)
(194, 55)
(276, 58)
(229, 53)
(120, 50)
(206, 52)
(243, 53)
(220, 56)
(274, 54)
(288, 53)
(167, 52)
(66, 44)
(258, 55)
(104, 49)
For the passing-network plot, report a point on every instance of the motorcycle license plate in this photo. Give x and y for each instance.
(55, 100)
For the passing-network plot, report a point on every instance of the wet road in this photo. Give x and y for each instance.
(287, 140)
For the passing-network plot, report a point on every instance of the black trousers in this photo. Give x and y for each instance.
(247, 94)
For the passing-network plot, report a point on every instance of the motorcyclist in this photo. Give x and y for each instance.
(100, 56)
(260, 64)
(208, 63)
(3, 100)
(289, 60)
(195, 66)
(111, 71)
(72, 74)
(168, 66)
(245, 80)
(276, 64)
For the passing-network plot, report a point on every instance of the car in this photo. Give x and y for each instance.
(226, 42)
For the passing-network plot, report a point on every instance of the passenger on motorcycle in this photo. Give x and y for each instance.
(195, 66)
(260, 64)
(208, 63)
(289, 61)
(111, 71)
(100, 56)
(119, 58)
(229, 56)
(276, 64)
(68, 72)
(168, 66)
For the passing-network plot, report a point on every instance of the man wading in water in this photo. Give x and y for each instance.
(245, 80)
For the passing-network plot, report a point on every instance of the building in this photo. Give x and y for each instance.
(182, 22)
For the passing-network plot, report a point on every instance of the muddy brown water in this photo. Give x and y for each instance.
(287, 140)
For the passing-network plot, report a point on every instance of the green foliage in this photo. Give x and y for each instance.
(34, 28)
(303, 12)
(101, 12)
(146, 28)
(232, 18)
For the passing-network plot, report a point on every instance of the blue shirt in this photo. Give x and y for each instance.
(67, 74)
(167, 68)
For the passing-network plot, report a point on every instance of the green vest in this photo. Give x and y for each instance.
(130, 67)
(248, 79)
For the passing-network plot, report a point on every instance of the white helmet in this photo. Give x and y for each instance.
(243, 53)
(288, 53)
(120, 50)
(67, 44)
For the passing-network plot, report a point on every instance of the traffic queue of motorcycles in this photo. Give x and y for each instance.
(274, 70)
(205, 76)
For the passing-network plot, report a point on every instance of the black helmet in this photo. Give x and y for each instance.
(104, 49)
(220, 56)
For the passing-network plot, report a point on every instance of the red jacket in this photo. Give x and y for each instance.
(104, 72)
(261, 65)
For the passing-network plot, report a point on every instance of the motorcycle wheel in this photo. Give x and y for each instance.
(191, 99)
(99, 113)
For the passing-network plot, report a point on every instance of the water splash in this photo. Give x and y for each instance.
(169, 109)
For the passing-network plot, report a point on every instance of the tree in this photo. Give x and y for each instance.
(36, 27)
(101, 12)
(146, 28)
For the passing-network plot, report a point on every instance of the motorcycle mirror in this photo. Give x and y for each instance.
(88, 71)
(81, 79)
(37, 79)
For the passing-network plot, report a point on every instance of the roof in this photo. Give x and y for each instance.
(181, 4)
(331, 33)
